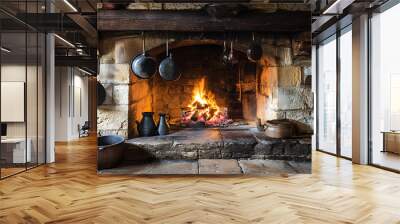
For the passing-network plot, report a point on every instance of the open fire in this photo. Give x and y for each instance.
(203, 109)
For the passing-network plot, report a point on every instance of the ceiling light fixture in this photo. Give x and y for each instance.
(337, 7)
(65, 41)
(5, 50)
(70, 5)
(84, 71)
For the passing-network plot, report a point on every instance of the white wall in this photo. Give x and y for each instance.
(71, 102)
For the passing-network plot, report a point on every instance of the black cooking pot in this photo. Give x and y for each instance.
(168, 70)
(144, 66)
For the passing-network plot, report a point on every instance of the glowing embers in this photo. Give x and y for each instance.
(203, 110)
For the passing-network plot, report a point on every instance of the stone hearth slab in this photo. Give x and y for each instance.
(266, 167)
(219, 166)
(163, 167)
(198, 143)
(217, 143)
(237, 143)
(301, 167)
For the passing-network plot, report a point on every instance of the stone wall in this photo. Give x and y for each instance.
(284, 88)
(279, 87)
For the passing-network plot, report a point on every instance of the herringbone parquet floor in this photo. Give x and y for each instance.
(70, 191)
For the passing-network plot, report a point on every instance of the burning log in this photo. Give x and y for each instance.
(204, 109)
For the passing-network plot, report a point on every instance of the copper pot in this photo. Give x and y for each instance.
(279, 128)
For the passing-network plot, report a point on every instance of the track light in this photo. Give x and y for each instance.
(65, 41)
(337, 7)
(5, 50)
(70, 5)
(84, 71)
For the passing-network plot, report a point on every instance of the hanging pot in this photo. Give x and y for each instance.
(225, 54)
(255, 51)
(231, 56)
(144, 66)
(167, 68)
(101, 94)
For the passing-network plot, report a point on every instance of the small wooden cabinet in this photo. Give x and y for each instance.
(391, 142)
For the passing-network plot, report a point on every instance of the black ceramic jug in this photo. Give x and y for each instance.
(147, 126)
(163, 126)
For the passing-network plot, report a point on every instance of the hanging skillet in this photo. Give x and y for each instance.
(231, 56)
(167, 68)
(144, 66)
(225, 54)
(254, 53)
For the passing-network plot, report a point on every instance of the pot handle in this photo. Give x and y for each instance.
(143, 43)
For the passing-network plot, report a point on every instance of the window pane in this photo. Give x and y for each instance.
(346, 94)
(385, 84)
(327, 96)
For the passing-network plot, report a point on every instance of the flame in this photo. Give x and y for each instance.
(203, 107)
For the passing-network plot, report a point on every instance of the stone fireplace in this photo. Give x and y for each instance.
(276, 87)
(214, 106)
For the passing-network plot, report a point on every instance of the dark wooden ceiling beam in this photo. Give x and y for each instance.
(199, 21)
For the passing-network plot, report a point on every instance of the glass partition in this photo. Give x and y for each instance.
(327, 96)
(13, 94)
(22, 77)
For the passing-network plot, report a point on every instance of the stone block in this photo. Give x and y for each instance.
(266, 167)
(188, 89)
(114, 73)
(210, 153)
(284, 55)
(283, 41)
(109, 94)
(152, 144)
(263, 149)
(219, 166)
(292, 98)
(289, 76)
(301, 44)
(301, 167)
(237, 144)
(163, 167)
(278, 149)
(121, 94)
(112, 118)
(292, 149)
(175, 90)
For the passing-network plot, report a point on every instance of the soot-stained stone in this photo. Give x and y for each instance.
(237, 144)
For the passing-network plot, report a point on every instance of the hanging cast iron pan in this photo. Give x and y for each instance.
(167, 69)
(101, 94)
(144, 66)
(231, 56)
(225, 54)
(254, 53)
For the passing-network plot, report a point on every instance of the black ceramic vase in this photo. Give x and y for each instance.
(163, 126)
(147, 127)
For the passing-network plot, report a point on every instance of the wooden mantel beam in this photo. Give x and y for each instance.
(199, 21)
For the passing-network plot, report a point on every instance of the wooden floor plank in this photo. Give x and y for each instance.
(70, 191)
